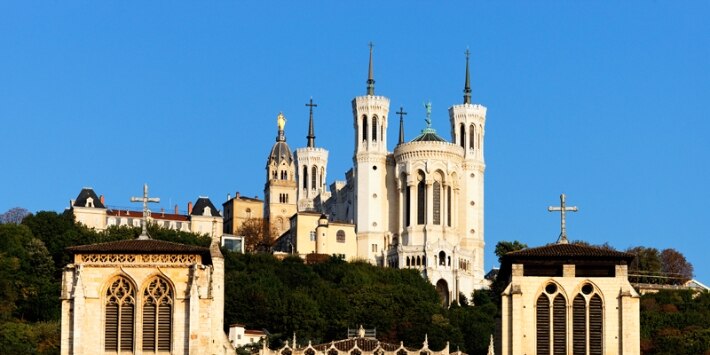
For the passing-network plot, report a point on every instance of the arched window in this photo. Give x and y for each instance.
(157, 315)
(305, 177)
(419, 261)
(471, 136)
(322, 173)
(554, 318)
(407, 202)
(442, 258)
(448, 206)
(314, 178)
(462, 134)
(587, 319)
(408, 263)
(120, 313)
(364, 128)
(437, 202)
(340, 236)
(421, 199)
(374, 129)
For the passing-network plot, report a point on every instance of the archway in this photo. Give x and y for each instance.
(442, 288)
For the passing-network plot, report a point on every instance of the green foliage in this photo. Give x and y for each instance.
(675, 322)
(320, 302)
(29, 338)
(503, 247)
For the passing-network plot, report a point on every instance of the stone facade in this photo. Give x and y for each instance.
(130, 276)
(313, 233)
(568, 299)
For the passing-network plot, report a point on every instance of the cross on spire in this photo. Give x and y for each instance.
(401, 114)
(146, 212)
(370, 76)
(563, 209)
(467, 84)
(311, 132)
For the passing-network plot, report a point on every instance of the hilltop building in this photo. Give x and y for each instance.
(202, 217)
(419, 206)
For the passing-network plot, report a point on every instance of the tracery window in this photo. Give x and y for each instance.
(157, 315)
(551, 321)
(120, 315)
(587, 322)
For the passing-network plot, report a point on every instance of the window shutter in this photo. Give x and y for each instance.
(127, 327)
(164, 326)
(111, 328)
(149, 326)
(596, 320)
(543, 325)
(579, 327)
(560, 325)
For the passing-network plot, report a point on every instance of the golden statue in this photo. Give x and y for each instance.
(281, 121)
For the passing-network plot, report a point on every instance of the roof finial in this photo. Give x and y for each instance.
(370, 76)
(467, 85)
(401, 114)
(311, 132)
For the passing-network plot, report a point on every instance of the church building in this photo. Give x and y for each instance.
(567, 298)
(419, 206)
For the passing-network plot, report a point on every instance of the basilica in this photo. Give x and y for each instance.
(419, 206)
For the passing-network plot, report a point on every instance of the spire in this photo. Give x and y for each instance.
(467, 85)
(311, 132)
(401, 114)
(281, 123)
(370, 77)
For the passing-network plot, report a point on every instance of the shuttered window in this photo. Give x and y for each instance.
(119, 315)
(543, 325)
(421, 201)
(559, 323)
(596, 321)
(157, 315)
(437, 202)
(579, 327)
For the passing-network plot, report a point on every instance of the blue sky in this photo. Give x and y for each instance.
(605, 102)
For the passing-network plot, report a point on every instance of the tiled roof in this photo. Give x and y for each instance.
(428, 135)
(154, 215)
(569, 250)
(84, 195)
(280, 152)
(138, 247)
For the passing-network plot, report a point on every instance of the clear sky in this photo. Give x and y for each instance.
(607, 103)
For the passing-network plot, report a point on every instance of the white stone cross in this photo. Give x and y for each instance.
(146, 212)
(563, 209)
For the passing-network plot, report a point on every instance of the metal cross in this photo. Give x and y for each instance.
(563, 209)
(468, 53)
(311, 105)
(146, 212)
(401, 113)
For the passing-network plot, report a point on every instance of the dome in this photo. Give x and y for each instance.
(429, 135)
(281, 152)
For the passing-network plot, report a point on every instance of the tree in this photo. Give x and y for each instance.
(258, 234)
(675, 265)
(14, 215)
(503, 247)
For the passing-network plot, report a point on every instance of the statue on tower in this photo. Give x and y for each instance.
(281, 121)
(427, 105)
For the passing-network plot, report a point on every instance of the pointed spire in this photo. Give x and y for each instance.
(311, 132)
(401, 114)
(370, 76)
(467, 85)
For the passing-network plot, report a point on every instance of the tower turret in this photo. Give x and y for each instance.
(312, 167)
(280, 187)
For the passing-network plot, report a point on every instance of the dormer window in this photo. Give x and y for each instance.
(207, 211)
(89, 202)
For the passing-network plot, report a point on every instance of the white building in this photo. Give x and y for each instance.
(419, 206)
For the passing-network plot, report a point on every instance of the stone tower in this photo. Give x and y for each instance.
(468, 123)
(312, 167)
(280, 188)
(370, 158)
